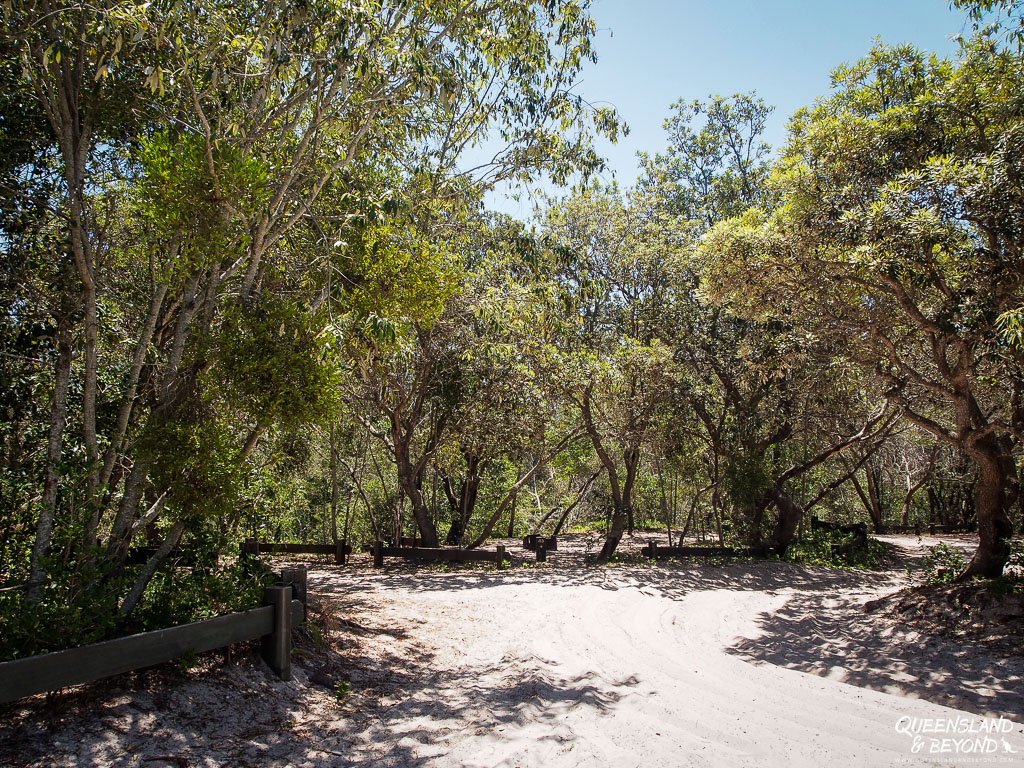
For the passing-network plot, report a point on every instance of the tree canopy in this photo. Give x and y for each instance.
(251, 289)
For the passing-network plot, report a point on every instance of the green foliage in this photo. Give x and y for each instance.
(265, 247)
(996, 18)
(942, 565)
(68, 612)
(195, 457)
(1012, 580)
(817, 548)
(401, 278)
(716, 163)
(185, 195)
(188, 660)
(275, 362)
(182, 595)
(79, 604)
(342, 690)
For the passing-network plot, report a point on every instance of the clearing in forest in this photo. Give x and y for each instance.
(749, 663)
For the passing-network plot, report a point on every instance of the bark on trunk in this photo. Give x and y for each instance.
(615, 531)
(876, 499)
(790, 514)
(334, 486)
(756, 515)
(873, 512)
(512, 517)
(411, 487)
(58, 416)
(995, 494)
(462, 505)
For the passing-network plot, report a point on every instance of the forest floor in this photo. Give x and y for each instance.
(562, 664)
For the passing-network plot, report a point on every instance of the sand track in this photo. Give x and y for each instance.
(661, 666)
(764, 664)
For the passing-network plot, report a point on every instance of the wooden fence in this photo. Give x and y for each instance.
(272, 624)
(341, 550)
(439, 554)
(653, 551)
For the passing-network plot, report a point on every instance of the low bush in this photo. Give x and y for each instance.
(819, 547)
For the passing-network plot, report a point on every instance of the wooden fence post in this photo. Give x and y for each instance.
(339, 552)
(296, 576)
(276, 648)
(501, 555)
(542, 552)
(652, 550)
(378, 554)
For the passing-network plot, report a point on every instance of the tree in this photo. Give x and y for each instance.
(716, 162)
(996, 17)
(897, 237)
(620, 253)
(208, 172)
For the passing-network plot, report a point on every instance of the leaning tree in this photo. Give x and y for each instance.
(898, 237)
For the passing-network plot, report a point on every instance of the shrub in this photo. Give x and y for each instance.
(816, 548)
(941, 565)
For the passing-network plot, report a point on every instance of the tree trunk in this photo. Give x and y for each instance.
(421, 514)
(873, 512)
(462, 506)
(872, 477)
(756, 514)
(571, 507)
(334, 485)
(454, 510)
(58, 415)
(790, 514)
(137, 590)
(614, 536)
(995, 494)
(631, 458)
(622, 517)
(512, 516)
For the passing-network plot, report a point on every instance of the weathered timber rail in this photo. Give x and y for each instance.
(438, 554)
(272, 624)
(653, 551)
(340, 551)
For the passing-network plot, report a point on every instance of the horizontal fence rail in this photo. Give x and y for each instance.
(438, 554)
(272, 624)
(341, 550)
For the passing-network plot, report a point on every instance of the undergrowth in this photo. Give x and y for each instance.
(819, 548)
(79, 606)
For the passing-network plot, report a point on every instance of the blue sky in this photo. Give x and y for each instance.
(653, 52)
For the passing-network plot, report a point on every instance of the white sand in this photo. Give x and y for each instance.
(623, 672)
(762, 664)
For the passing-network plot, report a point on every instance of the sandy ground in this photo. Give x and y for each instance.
(764, 664)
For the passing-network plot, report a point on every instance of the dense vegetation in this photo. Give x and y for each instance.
(250, 289)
